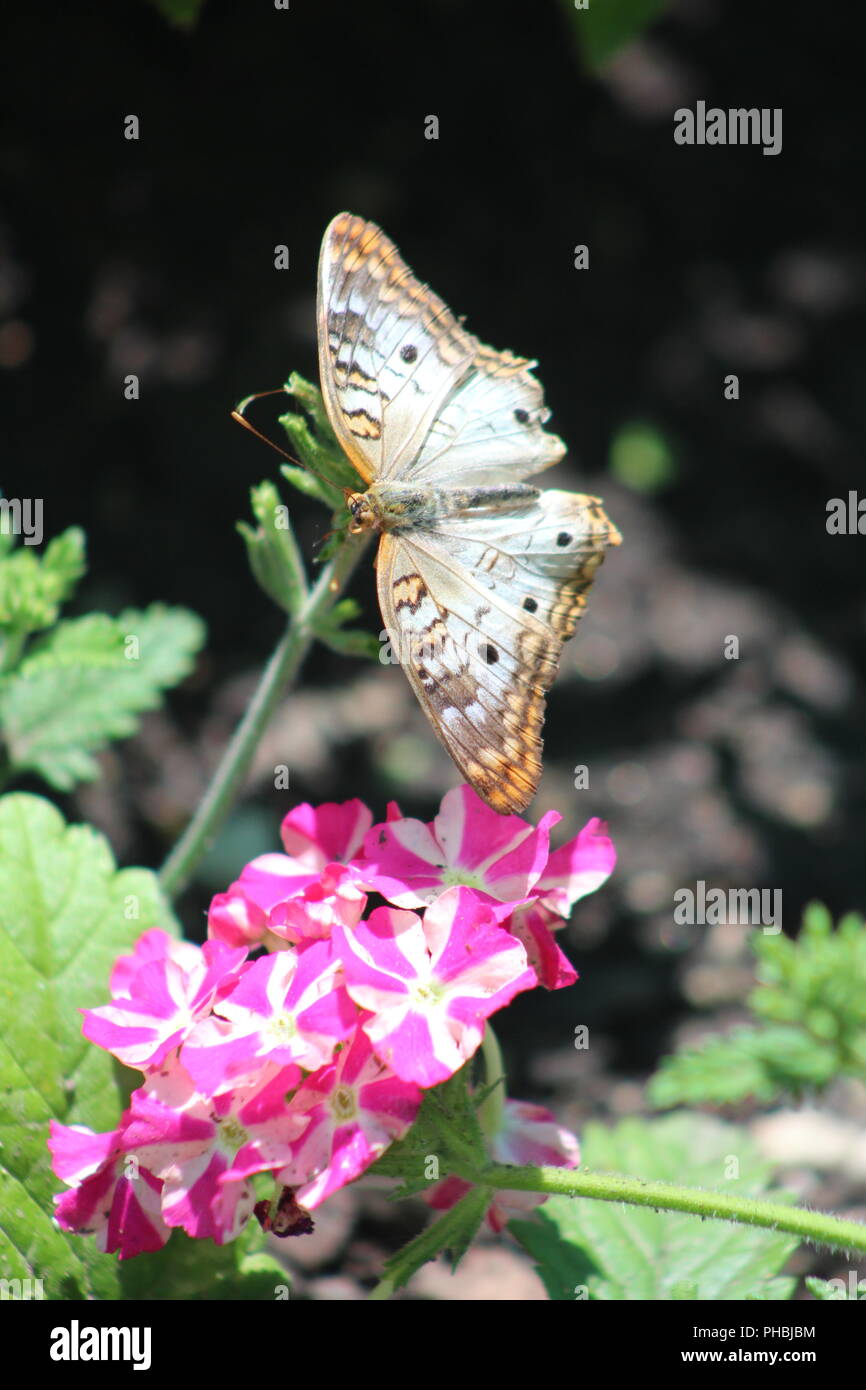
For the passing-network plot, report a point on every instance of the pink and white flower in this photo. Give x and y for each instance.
(111, 1197)
(468, 844)
(429, 983)
(577, 868)
(315, 910)
(356, 1107)
(318, 840)
(170, 986)
(206, 1148)
(291, 1007)
(308, 1062)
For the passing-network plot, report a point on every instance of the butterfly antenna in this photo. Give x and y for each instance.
(238, 414)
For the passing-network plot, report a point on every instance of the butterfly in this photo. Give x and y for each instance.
(481, 577)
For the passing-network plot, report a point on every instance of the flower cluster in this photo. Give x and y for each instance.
(307, 1058)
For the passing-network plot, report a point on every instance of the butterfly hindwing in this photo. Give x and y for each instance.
(489, 723)
(478, 611)
(542, 559)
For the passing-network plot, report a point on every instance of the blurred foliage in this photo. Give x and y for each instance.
(641, 458)
(604, 27)
(33, 587)
(829, 1290)
(183, 14)
(812, 1001)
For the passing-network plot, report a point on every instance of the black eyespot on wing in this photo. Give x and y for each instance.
(530, 605)
(564, 538)
(522, 416)
(490, 654)
(408, 352)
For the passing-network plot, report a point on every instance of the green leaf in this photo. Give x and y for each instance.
(321, 450)
(309, 397)
(66, 913)
(273, 551)
(454, 1231)
(612, 1251)
(604, 27)
(819, 980)
(353, 642)
(84, 684)
(197, 1271)
(811, 1007)
(316, 482)
(347, 641)
(755, 1062)
(33, 587)
(835, 1290)
(446, 1130)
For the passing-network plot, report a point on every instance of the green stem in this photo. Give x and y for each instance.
(815, 1226)
(491, 1111)
(283, 666)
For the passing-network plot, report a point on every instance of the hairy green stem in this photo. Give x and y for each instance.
(814, 1226)
(283, 666)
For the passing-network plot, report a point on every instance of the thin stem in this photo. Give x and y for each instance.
(282, 668)
(815, 1226)
(491, 1111)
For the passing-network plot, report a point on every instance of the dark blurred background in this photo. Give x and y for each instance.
(156, 257)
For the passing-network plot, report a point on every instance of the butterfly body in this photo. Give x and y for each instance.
(395, 506)
(481, 576)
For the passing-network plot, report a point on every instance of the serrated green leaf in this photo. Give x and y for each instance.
(454, 1231)
(66, 913)
(613, 1251)
(817, 919)
(96, 640)
(773, 1291)
(65, 561)
(33, 587)
(86, 682)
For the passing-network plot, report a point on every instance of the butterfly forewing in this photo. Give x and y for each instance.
(480, 578)
(409, 392)
(390, 351)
